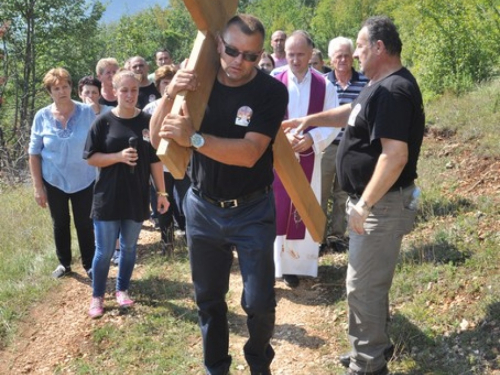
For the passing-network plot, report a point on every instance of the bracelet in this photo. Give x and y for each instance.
(162, 193)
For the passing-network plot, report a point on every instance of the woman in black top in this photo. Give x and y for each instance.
(118, 144)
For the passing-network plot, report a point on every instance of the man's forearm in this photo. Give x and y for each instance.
(335, 117)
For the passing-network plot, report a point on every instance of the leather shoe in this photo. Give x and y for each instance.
(323, 249)
(291, 281)
(345, 359)
(338, 244)
(383, 371)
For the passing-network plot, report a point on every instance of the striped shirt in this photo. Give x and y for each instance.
(351, 92)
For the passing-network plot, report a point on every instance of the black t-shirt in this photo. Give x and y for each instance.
(391, 108)
(103, 101)
(147, 94)
(118, 193)
(257, 106)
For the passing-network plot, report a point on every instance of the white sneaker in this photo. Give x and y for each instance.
(116, 257)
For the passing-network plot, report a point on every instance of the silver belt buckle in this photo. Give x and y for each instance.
(229, 204)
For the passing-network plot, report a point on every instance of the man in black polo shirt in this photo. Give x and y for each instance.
(376, 163)
(230, 205)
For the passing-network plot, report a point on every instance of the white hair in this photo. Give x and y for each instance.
(335, 43)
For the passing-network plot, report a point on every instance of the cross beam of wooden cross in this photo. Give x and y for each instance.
(210, 16)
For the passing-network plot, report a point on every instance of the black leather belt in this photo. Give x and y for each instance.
(231, 203)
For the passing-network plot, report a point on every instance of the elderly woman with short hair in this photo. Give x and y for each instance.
(58, 171)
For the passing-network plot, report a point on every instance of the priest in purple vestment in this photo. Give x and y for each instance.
(295, 252)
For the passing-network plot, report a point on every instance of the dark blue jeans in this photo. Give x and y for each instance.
(81, 203)
(212, 235)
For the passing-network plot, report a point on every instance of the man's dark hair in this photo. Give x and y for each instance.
(382, 28)
(89, 81)
(161, 50)
(267, 55)
(249, 25)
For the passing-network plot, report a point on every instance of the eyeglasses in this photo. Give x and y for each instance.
(137, 66)
(233, 52)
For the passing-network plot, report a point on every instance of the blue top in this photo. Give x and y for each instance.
(61, 150)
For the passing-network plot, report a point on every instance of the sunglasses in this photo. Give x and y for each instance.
(233, 52)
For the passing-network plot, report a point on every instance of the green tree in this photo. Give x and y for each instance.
(42, 34)
(287, 15)
(334, 18)
(145, 32)
(452, 45)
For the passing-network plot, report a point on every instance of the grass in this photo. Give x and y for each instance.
(445, 298)
(27, 255)
(473, 117)
(154, 336)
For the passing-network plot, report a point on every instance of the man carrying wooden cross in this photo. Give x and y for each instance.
(230, 205)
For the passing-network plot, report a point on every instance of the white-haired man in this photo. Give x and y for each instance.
(348, 83)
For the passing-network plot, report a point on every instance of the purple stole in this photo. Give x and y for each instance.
(288, 220)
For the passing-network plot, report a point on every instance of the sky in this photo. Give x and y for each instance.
(117, 8)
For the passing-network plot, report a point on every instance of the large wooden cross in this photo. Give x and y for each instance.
(210, 16)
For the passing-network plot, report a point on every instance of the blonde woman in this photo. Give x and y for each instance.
(118, 144)
(106, 69)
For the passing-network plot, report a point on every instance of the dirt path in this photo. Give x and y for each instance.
(58, 330)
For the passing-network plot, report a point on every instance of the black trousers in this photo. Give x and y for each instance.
(81, 203)
(167, 219)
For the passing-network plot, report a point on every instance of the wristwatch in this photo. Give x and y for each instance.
(364, 206)
(197, 140)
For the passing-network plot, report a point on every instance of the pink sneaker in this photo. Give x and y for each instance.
(96, 309)
(123, 299)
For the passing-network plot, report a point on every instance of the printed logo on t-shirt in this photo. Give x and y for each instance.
(152, 98)
(145, 135)
(243, 116)
(354, 113)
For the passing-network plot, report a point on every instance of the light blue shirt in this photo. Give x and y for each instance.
(61, 150)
